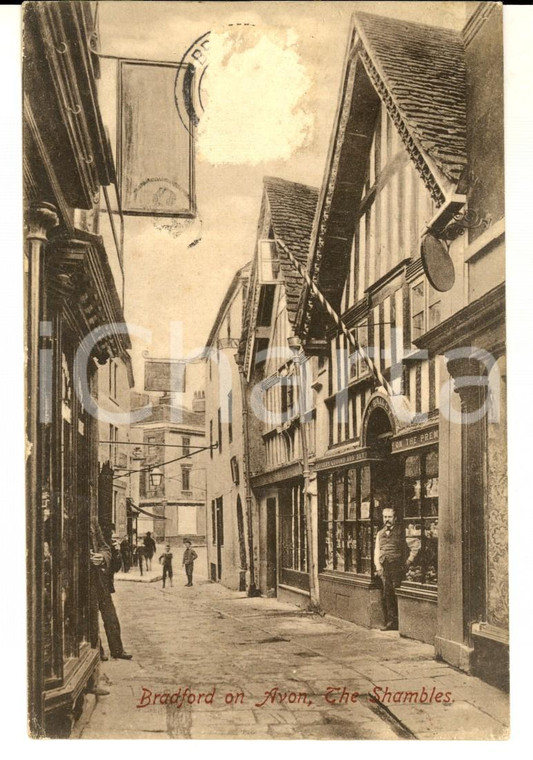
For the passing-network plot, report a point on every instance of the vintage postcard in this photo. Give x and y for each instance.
(266, 417)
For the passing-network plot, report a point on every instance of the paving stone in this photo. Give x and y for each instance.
(217, 638)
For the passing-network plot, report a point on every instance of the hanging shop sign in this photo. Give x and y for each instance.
(155, 147)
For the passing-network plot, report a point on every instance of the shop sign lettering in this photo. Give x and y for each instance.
(422, 438)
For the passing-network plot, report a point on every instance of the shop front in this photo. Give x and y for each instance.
(398, 470)
(417, 457)
(283, 549)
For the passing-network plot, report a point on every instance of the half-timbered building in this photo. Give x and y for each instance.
(281, 419)
(399, 172)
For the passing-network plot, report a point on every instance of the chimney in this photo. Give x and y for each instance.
(198, 402)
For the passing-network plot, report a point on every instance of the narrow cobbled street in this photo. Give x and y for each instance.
(268, 670)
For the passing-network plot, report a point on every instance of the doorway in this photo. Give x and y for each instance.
(242, 546)
(271, 546)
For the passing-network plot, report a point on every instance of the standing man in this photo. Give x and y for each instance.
(149, 549)
(189, 555)
(101, 564)
(166, 560)
(391, 557)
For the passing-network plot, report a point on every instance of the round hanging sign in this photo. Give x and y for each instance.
(437, 263)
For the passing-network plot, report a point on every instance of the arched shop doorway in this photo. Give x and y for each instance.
(378, 428)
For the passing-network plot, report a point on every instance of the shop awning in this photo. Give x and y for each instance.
(134, 507)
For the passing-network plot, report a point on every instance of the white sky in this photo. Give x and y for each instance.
(270, 106)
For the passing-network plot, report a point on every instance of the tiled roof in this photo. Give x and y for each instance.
(423, 69)
(292, 209)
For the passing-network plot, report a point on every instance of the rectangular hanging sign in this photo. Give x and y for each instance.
(155, 141)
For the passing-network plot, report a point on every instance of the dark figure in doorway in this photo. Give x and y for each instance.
(166, 560)
(125, 551)
(149, 549)
(189, 555)
(101, 589)
(392, 556)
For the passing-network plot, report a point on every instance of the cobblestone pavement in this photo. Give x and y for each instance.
(265, 668)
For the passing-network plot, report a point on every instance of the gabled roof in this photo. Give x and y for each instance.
(292, 211)
(290, 207)
(422, 69)
(418, 72)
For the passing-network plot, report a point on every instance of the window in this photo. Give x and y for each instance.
(211, 438)
(185, 479)
(234, 470)
(293, 538)
(347, 525)
(185, 445)
(267, 261)
(425, 308)
(230, 416)
(112, 379)
(219, 423)
(421, 509)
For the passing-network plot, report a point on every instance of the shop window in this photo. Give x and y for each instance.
(347, 527)
(421, 509)
(293, 538)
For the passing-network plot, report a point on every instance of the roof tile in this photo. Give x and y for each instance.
(423, 68)
(292, 208)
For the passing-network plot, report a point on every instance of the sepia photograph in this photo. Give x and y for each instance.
(265, 370)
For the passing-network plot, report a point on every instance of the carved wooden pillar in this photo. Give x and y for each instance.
(470, 377)
(40, 219)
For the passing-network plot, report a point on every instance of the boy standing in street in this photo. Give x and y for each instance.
(166, 560)
(189, 555)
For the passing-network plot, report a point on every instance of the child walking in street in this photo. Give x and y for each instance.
(166, 560)
(189, 555)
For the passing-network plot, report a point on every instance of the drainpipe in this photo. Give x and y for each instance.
(252, 590)
(299, 359)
